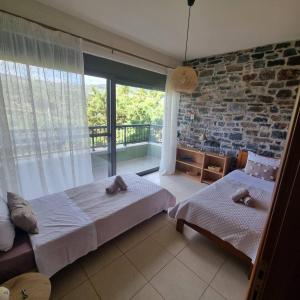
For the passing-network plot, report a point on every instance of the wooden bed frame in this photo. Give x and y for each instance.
(240, 163)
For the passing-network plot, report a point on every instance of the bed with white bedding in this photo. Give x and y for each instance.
(213, 212)
(77, 221)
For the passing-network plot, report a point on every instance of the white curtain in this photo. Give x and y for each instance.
(44, 140)
(169, 133)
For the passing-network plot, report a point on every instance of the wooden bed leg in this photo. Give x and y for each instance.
(179, 225)
(250, 271)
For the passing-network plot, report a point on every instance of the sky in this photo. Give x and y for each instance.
(91, 80)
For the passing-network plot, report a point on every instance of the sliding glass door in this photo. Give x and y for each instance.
(125, 112)
(97, 116)
(139, 114)
(125, 129)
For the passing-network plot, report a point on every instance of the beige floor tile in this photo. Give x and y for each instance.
(130, 238)
(147, 293)
(172, 240)
(155, 223)
(203, 257)
(211, 294)
(149, 257)
(232, 281)
(98, 259)
(119, 280)
(189, 232)
(171, 220)
(180, 185)
(66, 280)
(177, 282)
(84, 291)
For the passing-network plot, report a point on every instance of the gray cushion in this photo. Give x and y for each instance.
(21, 213)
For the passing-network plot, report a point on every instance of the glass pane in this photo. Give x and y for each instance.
(95, 89)
(139, 128)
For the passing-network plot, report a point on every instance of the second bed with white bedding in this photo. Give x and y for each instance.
(213, 210)
(77, 221)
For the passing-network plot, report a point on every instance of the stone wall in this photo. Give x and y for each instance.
(244, 100)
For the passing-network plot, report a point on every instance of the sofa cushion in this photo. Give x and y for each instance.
(21, 213)
(19, 259)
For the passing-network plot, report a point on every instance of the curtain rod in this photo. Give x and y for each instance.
(90, 40)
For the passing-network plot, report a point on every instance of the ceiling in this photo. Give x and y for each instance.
(217, 26)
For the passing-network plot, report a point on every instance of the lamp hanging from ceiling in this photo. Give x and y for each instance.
(184, 79)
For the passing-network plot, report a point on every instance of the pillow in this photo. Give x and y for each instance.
(268, 161)
(7, 229)
(21, 213)
(261, 171)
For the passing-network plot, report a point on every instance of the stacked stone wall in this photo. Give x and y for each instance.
(244, 100)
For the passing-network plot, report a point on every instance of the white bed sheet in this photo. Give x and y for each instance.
(213, 209)
(65, 233)
(77, 221)
(114, 214)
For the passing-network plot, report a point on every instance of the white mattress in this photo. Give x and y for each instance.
(65, 233)
(213, 209)
(79, 220)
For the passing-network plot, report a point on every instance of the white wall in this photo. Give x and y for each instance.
(52, 17)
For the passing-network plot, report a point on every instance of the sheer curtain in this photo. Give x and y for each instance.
(44, 140)
(169, 132)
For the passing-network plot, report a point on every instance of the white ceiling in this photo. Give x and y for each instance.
(217, 26)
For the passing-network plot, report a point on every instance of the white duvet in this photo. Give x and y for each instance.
(213, 209)
(77, 221)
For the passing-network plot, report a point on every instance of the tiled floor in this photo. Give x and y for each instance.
(154, 261)
(181, 185)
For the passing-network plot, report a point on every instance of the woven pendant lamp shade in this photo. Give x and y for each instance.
(184, 80)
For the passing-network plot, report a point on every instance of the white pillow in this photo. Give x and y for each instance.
(267, 161)
(7, 229)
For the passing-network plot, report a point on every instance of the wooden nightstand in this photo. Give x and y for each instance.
(36, 285)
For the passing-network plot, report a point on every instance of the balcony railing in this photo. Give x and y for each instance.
(126, 134)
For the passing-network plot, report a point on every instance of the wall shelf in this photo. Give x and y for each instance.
(214, 172)
(196, 163)
(191, 164)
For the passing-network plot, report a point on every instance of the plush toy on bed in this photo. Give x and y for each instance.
(118, 184)
(242, 196)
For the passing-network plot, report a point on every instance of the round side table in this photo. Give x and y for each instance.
(35, 285)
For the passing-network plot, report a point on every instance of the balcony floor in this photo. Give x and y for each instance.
(100, 166)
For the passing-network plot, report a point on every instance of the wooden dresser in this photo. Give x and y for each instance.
(208, 167)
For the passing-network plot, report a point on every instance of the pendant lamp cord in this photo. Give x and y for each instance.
(187, 33)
